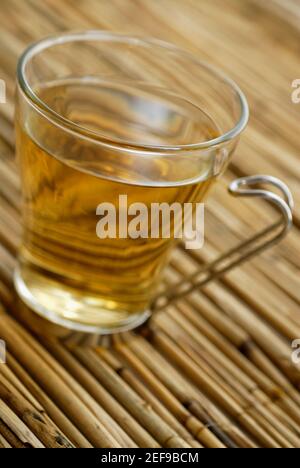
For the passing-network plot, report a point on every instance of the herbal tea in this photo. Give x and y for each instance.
(64, 266)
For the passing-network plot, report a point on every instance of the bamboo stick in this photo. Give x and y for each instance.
(8, 436)
(141, 411)
(266, 338)
(271, 343)
(4, 443)
(277, 387)
(239, 338)
(60, 419)
(15, 430)
(35, 420)
(112, 407)
(202, 353)
(91, 427)
(107, 423)
(182, 389)
(196, 428)
(129, 377)
(207, 384)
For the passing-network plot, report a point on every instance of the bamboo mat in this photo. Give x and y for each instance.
(215, 370)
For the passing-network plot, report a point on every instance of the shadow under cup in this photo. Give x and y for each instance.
(101, 116)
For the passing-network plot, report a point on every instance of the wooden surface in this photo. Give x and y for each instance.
(215, 370)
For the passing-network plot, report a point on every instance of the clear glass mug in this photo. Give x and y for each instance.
(99, 116)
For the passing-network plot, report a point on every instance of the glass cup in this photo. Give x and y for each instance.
(104, 120)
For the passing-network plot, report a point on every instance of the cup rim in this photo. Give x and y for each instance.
(99, 138)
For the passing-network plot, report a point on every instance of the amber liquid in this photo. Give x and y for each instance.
(65, 271)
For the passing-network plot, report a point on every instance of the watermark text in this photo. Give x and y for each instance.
(2, 92)
(296, 352)
(2, 352)
(156, 221)
(296, 93)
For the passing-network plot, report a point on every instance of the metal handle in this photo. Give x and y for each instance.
(243, 187)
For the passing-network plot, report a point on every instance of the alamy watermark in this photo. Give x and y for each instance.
(157, 221)
(296, 93)
(296, 352)
(2, 352)
(2, 92)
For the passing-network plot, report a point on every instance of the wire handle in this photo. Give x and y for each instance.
(243, 187)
